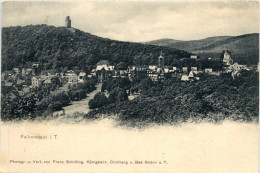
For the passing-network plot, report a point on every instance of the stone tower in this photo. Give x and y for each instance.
(68, 22)
(227, 60)
(161, 61)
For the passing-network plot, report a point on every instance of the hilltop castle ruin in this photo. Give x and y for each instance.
(68, 22)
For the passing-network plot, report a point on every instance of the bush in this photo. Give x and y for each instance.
(117, 95)
(99, 100)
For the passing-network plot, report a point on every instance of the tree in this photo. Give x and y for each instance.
(55, 81)
(99, 100)
(146, 84)
(121, 66)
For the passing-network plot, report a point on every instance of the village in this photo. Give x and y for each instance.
(22, 81)
(32, 78)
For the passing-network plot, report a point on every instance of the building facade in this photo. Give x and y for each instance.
(36, 82)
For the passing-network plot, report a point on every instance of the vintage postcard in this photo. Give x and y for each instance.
(129, 86)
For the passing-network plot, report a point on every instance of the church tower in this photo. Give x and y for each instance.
(161, 61)
(68, 22)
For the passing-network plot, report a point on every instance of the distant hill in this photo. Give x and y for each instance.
(60, 47)
(244, 48)
(163, 42)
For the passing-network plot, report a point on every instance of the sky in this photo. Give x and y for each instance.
(140, 21)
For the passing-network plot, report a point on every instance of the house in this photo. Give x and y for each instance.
(190, 77)
(227, 60)
(185, 69)
(71, 76)
(3, 76)
(152, 67)
(194, 57)
(153, 75)
(81, 76)
(23, 71)
(160, 70)
(36, 82)
(47, 82)
(16, 70)
(166, 69)
(137, 71)
(194, 69)
(8, 84)
(28, 71)
(122, 72)
(20, 82)
(104, 70)
(111, 67)
(92, 73)
(14, 75)
(7, 88)
(238, 67)
(161, 76)
(103, 64)
(185, 78)
(43, 77)
(208, 70)
(176, 68)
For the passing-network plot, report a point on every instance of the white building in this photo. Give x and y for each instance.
(194, 57)
(190, 77)
(152, 67)
(103, 64)
(227, 60)
(81, 76)
(238, 67)
(71, 76)
(36, 82)
(194, 69)
(184, 69)
(185, 78)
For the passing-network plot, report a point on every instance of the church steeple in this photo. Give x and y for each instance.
(161, 61)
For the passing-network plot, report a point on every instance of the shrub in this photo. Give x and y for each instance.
(99, 100)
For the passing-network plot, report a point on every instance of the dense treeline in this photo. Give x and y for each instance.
(60, 47)
(214, 98)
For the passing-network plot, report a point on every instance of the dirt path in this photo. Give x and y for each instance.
(82, 105)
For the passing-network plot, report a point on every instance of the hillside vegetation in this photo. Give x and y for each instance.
(244, 48)
(60, 47)
(211, 99)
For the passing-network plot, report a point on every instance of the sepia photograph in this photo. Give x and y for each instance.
(129, 86)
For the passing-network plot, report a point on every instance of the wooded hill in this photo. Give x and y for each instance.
(244, 48)
(60, 47)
